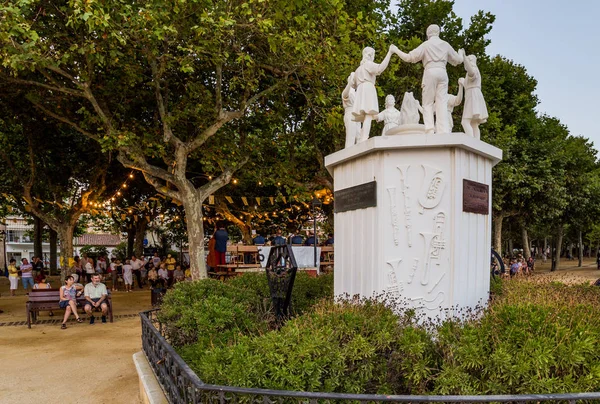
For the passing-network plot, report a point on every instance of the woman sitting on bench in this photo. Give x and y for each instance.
(68, 301)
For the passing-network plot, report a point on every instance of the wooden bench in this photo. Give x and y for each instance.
(47, 299)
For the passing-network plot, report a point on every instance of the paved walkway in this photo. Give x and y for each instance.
(82, 364)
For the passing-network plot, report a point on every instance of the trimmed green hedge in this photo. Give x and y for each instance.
(534, 338)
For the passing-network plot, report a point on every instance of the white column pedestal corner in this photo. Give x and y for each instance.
(418, 242)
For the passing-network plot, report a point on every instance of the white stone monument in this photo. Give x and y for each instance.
(413, 218)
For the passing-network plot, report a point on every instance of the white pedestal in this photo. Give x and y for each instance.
(417, 242)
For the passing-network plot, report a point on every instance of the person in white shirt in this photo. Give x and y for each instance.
(156, 260)
(89, 269)
(163, 274)
(128, 275)
(137, 265)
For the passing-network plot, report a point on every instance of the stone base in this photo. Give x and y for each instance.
(410, 129)
(418, 243)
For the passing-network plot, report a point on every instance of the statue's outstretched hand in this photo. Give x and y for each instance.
(461, 81)
(394, 49)
(461, 53)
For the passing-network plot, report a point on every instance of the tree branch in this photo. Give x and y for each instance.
(222, 180)
(163, 189)
(227, 116)
(144, 167)
(65, 90)
(65, 120)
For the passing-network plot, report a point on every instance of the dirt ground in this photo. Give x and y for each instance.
(93, 363)
(82, 364)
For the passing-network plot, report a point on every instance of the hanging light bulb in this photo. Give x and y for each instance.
(130, 175)
(124, 185)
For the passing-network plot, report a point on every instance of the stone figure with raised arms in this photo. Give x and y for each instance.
(475, 111)
(455, 101)
(348, 97)
(434, 54)
(366, 105)
(410, 109)
(390, 115)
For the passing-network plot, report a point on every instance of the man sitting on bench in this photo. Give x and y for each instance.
(95, 293)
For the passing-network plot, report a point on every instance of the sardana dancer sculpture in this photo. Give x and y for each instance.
(366, 106)
(434, 53)
(390, 115)
(348, 97)
(475, 111)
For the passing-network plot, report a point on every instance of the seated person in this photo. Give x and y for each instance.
(259, 240)
(329, 240)
(154, 279)
(68, 300)
(40, 283)
(278, 239)
(296, 239)
(188, 274)
(163, 274)
(311, 240)
(95, 296)
(179, 274)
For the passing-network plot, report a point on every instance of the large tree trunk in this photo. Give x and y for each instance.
(65, 235)
(140, 234)
(556, 255)
(38, 227)
(580, 249)
(525, 240)
(53, 251)
(195, 232)
(497, 219)
(130, 241)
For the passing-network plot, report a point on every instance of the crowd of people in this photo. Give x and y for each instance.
(154, 272)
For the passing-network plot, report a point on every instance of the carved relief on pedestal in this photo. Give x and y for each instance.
(430, 304)
(433, 188)
(434, 244)
(394, 214)
(413, 270)
(406, 197)
(394, 287)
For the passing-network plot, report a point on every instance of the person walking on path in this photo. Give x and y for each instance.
(68, 296)
(128, 275)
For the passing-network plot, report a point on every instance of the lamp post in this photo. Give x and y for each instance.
(316, 203)
(3, 236)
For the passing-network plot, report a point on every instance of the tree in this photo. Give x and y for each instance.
(158, 80)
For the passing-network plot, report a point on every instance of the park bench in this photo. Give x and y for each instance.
(47, 299)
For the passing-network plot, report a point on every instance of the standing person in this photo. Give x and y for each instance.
(77, 268)
(211, 258)
(128, 275)
(89, 269)
(95, 295)
(13, 276)
(38, 267)
(26, 274)
(296, 239)
(530, 265)
(136, 265)
(170, 264)
(112, 268)
(329, 240)
(221, 238)
(434, 53)
(311, 240)
(156, 260)
(68, 296)
(258, 240)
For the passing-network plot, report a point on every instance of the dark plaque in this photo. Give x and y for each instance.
(357, 197)
(476, 197)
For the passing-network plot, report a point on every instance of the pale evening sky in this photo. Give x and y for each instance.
(558, 42)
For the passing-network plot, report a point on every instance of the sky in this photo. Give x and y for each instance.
(558, 42)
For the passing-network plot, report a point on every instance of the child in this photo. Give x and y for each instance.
(128, 275)
(13, 276)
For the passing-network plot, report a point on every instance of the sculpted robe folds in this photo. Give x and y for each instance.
(366, 102)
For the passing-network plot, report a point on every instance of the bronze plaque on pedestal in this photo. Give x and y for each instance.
(476, 197)
(357, 197)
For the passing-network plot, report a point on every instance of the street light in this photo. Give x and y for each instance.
(316, 203)
(3, 236)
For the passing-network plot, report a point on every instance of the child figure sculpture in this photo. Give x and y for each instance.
(390, 116)
(409, 111)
